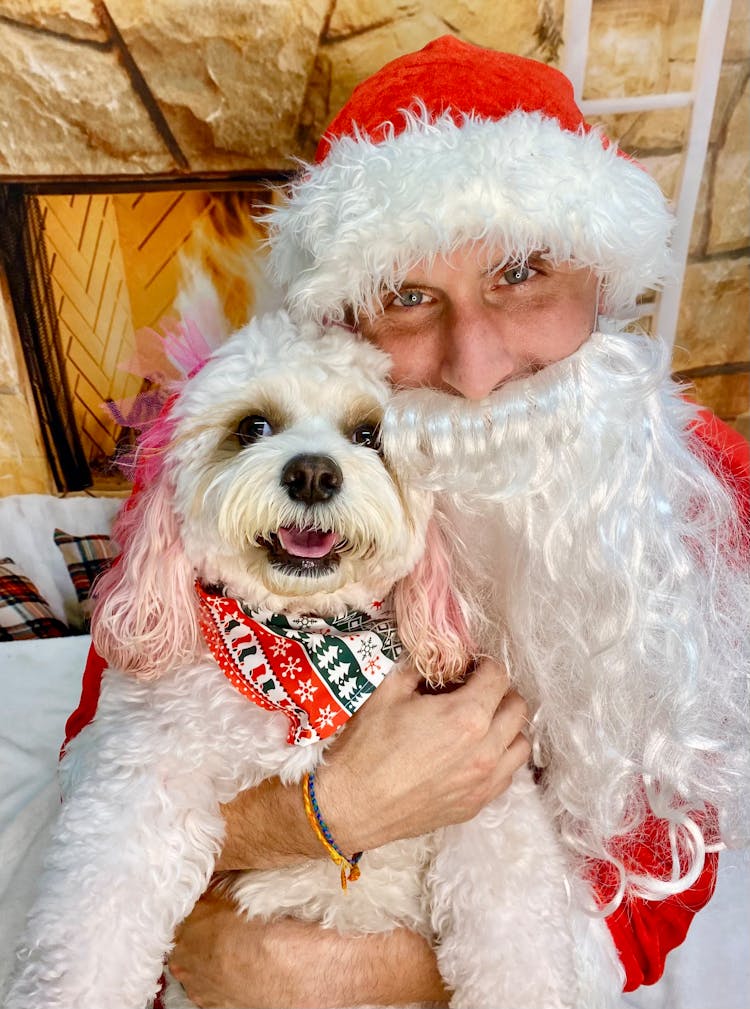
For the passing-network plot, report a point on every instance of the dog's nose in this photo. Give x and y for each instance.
(312, 478)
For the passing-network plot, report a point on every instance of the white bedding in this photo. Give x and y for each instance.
(41, 682)
(41, 685)
(27, 526)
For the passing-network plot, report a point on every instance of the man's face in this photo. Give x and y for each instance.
(465, 325)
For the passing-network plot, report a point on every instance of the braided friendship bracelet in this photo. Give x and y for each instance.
(324, 835)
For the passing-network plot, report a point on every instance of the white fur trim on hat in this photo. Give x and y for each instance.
(356, 223)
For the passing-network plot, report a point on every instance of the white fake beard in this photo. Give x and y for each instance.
(601, 584)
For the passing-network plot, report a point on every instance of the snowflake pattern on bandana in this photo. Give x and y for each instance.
(317, 671)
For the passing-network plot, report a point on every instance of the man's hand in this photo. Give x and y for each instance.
(410, 762)
(407, 763)
(227, 962)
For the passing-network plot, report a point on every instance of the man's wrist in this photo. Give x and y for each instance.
(266, 828)
(336, 800)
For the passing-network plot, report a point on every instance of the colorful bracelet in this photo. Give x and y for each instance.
(324, 835)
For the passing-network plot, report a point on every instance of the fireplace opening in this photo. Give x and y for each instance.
(91, 276)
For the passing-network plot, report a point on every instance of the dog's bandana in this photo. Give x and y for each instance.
(317, 671)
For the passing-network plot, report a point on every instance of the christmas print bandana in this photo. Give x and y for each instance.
(317, 670)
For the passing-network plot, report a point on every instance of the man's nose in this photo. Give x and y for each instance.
(476, 355)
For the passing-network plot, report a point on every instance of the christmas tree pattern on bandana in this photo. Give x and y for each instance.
(317, 671)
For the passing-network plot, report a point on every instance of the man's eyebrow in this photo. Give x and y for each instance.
(516, 258)
(412, 282)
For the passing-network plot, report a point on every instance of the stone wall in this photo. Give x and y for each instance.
(23, 464)
(129, 88)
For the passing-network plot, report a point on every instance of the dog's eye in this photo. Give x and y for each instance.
(251, 429)
(367, 435)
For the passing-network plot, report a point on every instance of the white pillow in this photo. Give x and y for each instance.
(27, 525)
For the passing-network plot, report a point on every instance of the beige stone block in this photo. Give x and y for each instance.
(75, 18)
(528, 28)
(68, 109)
(658, 129)
(742, 424)
(10, 476)
(8, 371)
(379, 33)
(730, 83)
(738, 33)
(683, 29)
(510, 27)
(354, 16)
(8, 447)
(618, 128)
(20, 435)
(665, 168)
(341, 65)
(23, 467)
(628, 48)
(727, 395)
(9, 377)
(702, 218)
(231, 81)
(316, 112)
(35, 478)
(730, 197)
(714, 311)
(24, 476)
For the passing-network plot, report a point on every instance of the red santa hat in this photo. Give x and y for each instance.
(457, 144)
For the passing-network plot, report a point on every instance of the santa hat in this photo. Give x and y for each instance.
(457, 144)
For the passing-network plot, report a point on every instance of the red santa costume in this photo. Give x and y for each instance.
(619, 553)
(457, 144)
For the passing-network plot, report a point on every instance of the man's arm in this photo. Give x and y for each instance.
(228, 962)
(222, 958)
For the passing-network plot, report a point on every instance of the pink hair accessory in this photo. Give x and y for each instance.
(165, 358)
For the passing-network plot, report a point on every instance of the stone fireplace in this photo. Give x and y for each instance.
(127, 124)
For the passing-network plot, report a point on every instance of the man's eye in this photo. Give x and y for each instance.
(367, 435)
(516, 274)
(250, 429)
(408, 299)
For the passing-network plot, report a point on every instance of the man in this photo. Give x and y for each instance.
(489, 241)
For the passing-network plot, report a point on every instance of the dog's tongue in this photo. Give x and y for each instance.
(306, 542)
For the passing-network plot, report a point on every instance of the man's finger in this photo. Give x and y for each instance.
(487, 684)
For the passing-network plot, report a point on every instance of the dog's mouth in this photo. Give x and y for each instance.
(299, 550)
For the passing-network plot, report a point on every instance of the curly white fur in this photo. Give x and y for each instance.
(140, 827)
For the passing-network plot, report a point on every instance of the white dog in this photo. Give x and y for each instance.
(265, 494)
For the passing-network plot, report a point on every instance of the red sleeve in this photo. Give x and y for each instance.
(92, 681)
(644, 931)
(727, 453)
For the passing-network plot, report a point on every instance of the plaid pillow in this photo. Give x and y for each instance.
(86, 558)
(23, 612)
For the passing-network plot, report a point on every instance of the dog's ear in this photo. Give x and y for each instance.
(146, 617)
(432, 616)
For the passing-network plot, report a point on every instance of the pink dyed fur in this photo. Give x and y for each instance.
(145, 619)
(431, 616)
